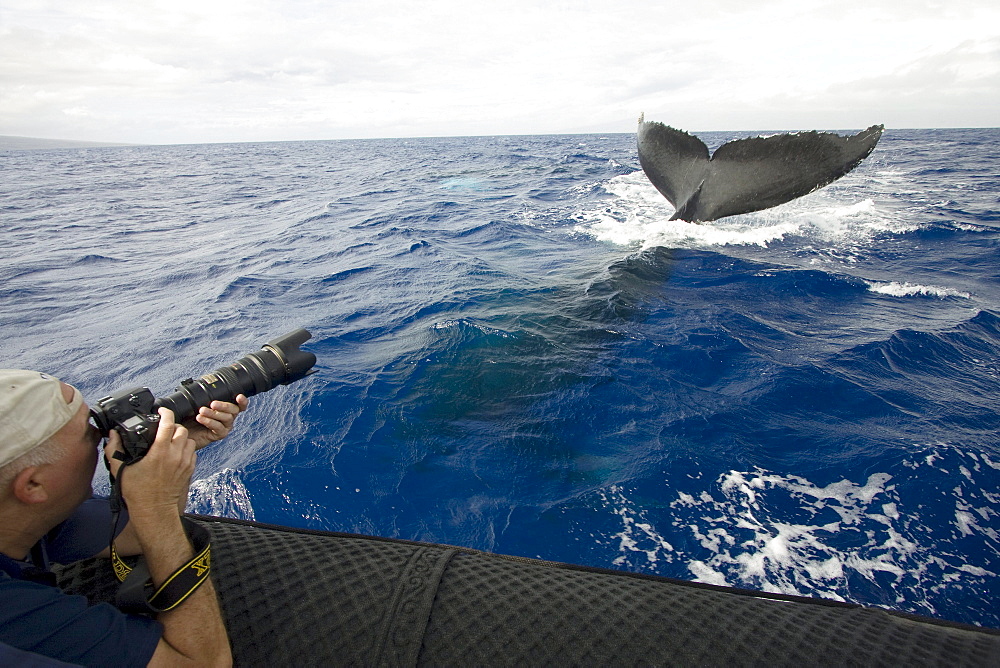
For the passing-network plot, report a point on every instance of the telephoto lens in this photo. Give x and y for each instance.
(278, 362)
(132, 413)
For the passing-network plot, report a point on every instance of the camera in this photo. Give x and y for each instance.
(133, 413)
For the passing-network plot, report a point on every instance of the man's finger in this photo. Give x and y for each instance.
(111, 446)
(166, 417)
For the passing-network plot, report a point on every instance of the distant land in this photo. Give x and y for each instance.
(9, 143)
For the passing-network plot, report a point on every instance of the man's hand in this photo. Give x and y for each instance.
(214, 422)
(159, 481)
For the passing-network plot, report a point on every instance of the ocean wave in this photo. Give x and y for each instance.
(905, 289)
(638, 215)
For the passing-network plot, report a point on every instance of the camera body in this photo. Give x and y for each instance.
(133, 413)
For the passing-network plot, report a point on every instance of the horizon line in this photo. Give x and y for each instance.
(57, 143)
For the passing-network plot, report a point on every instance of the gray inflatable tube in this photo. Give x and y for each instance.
(308, 598)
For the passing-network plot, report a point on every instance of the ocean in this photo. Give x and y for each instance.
(519, 352)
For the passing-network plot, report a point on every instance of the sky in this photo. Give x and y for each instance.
(193, 71)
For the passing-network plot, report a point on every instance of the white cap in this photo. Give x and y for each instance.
(32, 409)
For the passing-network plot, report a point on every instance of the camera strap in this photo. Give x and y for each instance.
(136, 592)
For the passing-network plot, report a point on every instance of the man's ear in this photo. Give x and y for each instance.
(28, 488)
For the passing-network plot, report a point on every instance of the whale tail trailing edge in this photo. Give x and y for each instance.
(746, 174)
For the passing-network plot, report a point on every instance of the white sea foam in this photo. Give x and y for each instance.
(638, 215)
(222, 494)
(637, 535)
(895, 289)
(705, 573)
(785, 556)
(454, 324)
(786, 534)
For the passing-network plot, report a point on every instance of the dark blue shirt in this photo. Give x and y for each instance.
(39, 618)
(10, 656)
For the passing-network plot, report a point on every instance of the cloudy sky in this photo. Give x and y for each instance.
(185, 71)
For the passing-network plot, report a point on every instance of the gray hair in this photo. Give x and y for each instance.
(47, 452)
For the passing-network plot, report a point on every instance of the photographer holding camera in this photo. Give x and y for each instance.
(48, 453)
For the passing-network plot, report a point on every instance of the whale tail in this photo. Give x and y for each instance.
(746, 174)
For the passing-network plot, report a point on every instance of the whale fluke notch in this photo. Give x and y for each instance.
(745, 175)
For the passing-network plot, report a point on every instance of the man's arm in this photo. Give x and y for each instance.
(154, 488)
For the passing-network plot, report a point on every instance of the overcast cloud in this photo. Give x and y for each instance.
(178, 71)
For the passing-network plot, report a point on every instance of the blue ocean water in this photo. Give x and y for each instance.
(519, 352)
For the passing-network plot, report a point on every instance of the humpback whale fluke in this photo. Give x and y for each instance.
(745, 175)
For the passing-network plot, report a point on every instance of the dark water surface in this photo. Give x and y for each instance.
(519, 352)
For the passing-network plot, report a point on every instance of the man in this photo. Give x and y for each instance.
(48, 452)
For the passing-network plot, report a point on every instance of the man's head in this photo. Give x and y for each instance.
(47, 445)
(33, 408)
